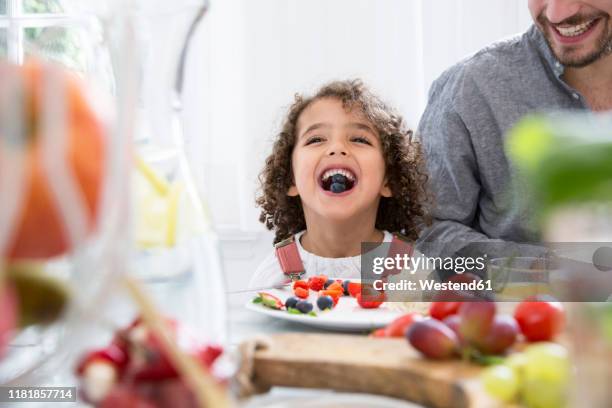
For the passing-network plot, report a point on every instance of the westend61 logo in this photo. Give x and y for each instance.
(412, 264)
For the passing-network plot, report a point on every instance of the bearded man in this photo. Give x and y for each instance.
(564, 61)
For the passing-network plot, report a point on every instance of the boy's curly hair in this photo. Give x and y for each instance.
(404, 212)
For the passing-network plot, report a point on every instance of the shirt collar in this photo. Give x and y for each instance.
(537, 38)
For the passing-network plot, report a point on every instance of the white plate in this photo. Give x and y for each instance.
(347, 316)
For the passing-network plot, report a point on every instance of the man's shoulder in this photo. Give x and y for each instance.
(502, 59)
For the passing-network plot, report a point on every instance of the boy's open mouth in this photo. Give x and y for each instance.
(338, 180)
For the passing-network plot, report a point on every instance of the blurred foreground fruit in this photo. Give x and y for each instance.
(539, 377)
(399, 326)
(440, 310)
(501, 336)
(433, 339)
(476, 320)
(40, 231)
(539, 318)
(9, 311)
(502, 382)
(41, 298)
(136, 371)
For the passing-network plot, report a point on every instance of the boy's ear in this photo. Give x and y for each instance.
(385, 191)
(293, 192)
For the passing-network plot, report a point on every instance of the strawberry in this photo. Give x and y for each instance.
(111, 354)
(369, 302)
(301, 293)
(209, 354)
(300, 284)
(316, 282)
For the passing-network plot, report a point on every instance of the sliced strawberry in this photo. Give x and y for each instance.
(301, 293)
(300, 284)
(316, 283)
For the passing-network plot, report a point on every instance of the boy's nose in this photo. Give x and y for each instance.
(340, 152)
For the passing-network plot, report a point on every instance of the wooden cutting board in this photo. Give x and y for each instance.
(360, 364)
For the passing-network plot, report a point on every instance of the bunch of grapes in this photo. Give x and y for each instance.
(538, 377)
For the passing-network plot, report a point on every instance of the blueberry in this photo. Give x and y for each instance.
(338, 187)
(304, 306)
(338, 178)
(345, 287)
(325, 302)
(291, 302)
(328, 282)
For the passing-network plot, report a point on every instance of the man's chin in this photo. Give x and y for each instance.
(578, 59)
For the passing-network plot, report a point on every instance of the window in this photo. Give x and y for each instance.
(40, 27)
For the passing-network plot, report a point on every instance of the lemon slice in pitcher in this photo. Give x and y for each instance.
(156, 203)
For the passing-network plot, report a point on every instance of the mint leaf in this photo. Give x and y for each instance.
(258, 299)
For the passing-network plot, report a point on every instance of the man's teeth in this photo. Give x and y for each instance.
(345, 173)
(574, 30)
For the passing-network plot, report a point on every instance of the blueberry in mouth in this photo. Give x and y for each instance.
(337, 181)
(337, 188)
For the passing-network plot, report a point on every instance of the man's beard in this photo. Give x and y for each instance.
(603, 46)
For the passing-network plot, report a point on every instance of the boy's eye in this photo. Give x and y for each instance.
(361, 139)
(314, 139)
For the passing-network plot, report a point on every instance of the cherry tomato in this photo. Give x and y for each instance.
(354, 288)
(398, 327)
(371, 302)
(441, 310)
(540, 318)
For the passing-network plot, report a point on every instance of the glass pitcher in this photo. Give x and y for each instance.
(176, 250)
(132, 65)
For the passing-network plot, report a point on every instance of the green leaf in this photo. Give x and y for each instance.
(292, 310)
(312, 314)
(258, 299)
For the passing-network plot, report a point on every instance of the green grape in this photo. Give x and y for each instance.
(501, 382)
(544, 394)
(517, 362)
(547, 362)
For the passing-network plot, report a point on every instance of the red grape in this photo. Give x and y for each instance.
(433, 339)
(502, 335)
(476, 320)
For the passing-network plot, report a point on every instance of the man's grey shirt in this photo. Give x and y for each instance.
(471, 107)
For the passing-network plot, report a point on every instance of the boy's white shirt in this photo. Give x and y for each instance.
(269, 272)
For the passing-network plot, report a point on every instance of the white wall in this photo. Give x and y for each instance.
(251, 56)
